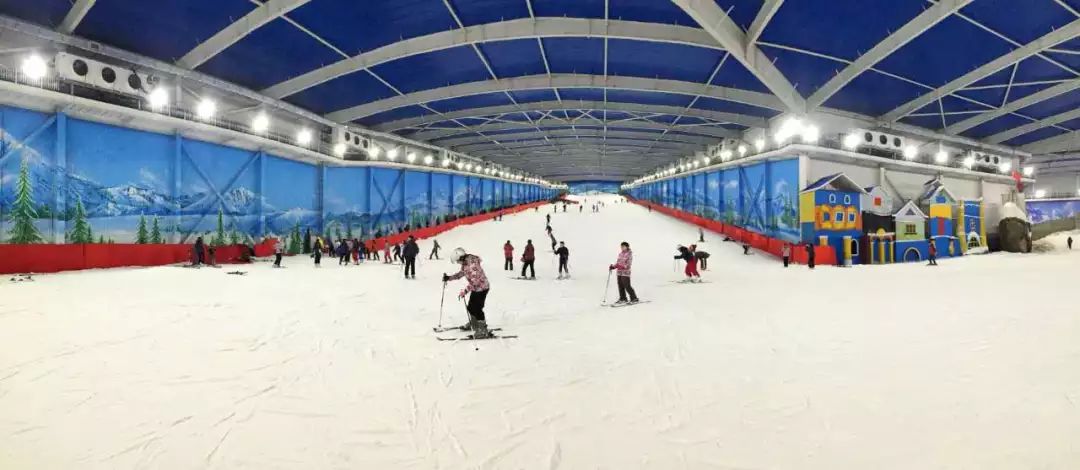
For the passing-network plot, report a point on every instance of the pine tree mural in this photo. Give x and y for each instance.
(348, 230)
(234, 237)
(155, 232)
(101, 239)
(219, 236)
(23, 214)
(294, 245)
(80, 233)
(142, 237)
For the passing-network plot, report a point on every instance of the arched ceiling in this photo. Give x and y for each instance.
(612, 88)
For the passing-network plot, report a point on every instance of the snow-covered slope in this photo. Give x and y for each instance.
(897, 367)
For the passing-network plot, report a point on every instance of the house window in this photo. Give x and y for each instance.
(851, 217)
(832, 199)
(847, 200)
(877, 202)
(909, 229)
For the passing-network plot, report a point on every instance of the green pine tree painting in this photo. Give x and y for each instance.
(80, 233)
(234, 237)
(219, 236)
(155, 232)
(101, 239)
(23, 214)
(348, 230)
(142, 237)
(294, 245)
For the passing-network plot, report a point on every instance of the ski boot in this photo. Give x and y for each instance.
(480, 329)
(620, 302)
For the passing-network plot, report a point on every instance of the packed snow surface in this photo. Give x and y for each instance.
(973, 364)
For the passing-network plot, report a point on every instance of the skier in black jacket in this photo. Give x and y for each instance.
(564, 256)
(409, 254)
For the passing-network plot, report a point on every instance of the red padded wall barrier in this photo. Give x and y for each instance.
(823, 255)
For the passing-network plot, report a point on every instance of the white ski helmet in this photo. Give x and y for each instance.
(456, 256)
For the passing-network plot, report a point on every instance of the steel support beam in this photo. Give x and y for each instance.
(728, 34)
(75, 16)
(535, 82)
(1033, 126)
(920, 24)
(534, 134)
(1047, 41)
(1062, 143)
(764, 15)
(437, 134)
(267, 12)
(1017, 105)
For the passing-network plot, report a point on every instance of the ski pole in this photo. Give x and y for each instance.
(442, 301)
(607, 286)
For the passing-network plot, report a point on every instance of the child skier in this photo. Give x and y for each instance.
(527, 259)
(691, 263)
(564, 256)
(786, 253)
(477, 289)
(622, 274)
(279, 250)
(508, 253)
(933, 253)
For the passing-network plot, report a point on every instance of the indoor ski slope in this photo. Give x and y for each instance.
(975, 364)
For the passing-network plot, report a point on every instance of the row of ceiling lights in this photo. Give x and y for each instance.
(809, 133)
(34, 67)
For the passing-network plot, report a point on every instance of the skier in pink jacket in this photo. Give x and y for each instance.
(477, 289)
(622, 274)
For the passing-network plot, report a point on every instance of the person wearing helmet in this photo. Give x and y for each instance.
(622, 274)
(477, 289)
(508, 253)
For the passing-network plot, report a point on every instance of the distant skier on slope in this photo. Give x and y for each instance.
(397, 252)
(622, 274)
(786, 253)
(409, 254)
(691, 263)
(527, 260)
(810, 255)
(548, 216)
(434, 250)
(477, 289)
(508, 254)
(279, 250)
(316, 251)
(197, 252)
(564, 256)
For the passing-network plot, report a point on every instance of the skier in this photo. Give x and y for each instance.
(279, 249)
(409, 254)
(548, 220)
(527, 259)
(745, 248)
(564, 207)
(197, 252)
(786, 253)
(564, 256)
(932, 253)
(810, 255)
(373, 253)
(434, 250)
(342, 252)
(701, 235)
(387, 259)
(477, 289)
(508, 253)
(316, 251)
(211, 256)
(1069, 241)
(580, 208)
(691, 263)
(550, 235)
(622, 274)
(397, 252)
(702, 257)
(361, 250)
(354, 249)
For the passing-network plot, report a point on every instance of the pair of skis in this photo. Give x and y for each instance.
(470, 337)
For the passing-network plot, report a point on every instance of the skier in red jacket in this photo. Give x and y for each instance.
(527, 260)
(508, 253)
(691, 263)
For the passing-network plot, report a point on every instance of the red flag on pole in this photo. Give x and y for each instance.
(1019, 181)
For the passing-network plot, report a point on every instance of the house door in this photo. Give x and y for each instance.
(941, 227)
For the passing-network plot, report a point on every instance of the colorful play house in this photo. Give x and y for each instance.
(830, 215)
(879, 228)
(972, 230)
(911, 244)
(938, 202)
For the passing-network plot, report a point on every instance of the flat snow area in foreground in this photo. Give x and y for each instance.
(974, 364)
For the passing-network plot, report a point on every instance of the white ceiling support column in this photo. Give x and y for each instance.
(75, 16)
(724, 30)
(1017, 105)
(762, 19)
(1034, 126)
(536, 82)
(1062, 143)
(1065, 33)
(920, 24)
(269, 11)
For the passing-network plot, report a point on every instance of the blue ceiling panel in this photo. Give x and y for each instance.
(661, 60)
(342, 92)
(581, 94)
(734, 75)
(639, 130)
(948, 50)
(713, 104)
(472, 121)
(462, 135)
(473, 12)
(514, 58)
(1069, 60)
(664, 118)
(1022, 21)
(613, 115)
(953, 104)
(470, 102)
(360, 26)
(445, 125)
(647, 97)
(742, 11)
(393, 115)
(929, 122)
(993, 96)
(649, 11)
(806, 72)
(995, 125)
(1051, 107)
(571, 8)
(434, 69)
(1035, 136)
(575, 55)
(874, 94)
(1073, 124)
(271, 54)
(47, 13)
(516, 117)
(533, 96)
(1001, 77)
(1037, 69)
(840, 28)
(1018, 92)
(167, 29)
